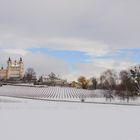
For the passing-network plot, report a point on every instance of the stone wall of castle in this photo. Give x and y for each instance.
(3, 74)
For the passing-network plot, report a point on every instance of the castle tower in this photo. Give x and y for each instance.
(15, 69)
(9, 63)
(21, 65)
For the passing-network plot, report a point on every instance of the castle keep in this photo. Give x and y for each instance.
(14, 70)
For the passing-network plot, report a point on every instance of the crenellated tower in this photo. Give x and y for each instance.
(9, 63)
(21, 68)
(15, 69)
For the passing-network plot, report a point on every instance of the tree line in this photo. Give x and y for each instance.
(124, 84)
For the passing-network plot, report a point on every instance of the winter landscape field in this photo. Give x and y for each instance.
(69, 69)
(51, 93)
(22, 118)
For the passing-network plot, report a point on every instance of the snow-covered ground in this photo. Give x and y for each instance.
(27, 119)
(60, 94)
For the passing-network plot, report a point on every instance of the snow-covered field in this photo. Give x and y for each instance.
(27, 119)
(60, 94)
(57, 93)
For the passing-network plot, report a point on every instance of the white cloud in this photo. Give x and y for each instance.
(95, 27)
(19, 44)
(97, 66)
(42, 63)
(76, 44)
(14, 51)
(112, 22)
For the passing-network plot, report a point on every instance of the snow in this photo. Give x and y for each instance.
(60, 94)
(42, 120)
(29, 119)
(55, 93)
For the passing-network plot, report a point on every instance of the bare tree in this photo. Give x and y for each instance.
(125, 89)
(30, 75)
(108, 81)
(135, 76)
(52, 77)
(92, 83)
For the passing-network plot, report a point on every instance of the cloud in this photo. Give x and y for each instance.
(97, 66)
(97, 28)
(20, 52)
(115, 23)
(75, 44)
(31, 23)
(42, 63)
(19, 44)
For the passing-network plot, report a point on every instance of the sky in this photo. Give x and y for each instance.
(71, 37)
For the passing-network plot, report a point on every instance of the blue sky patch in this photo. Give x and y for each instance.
(81, 57)
(68, 56)
(132, 54)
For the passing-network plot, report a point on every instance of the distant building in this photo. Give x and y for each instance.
(14, 70)
(55, 81)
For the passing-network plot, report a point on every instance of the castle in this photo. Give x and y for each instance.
(14, 70)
